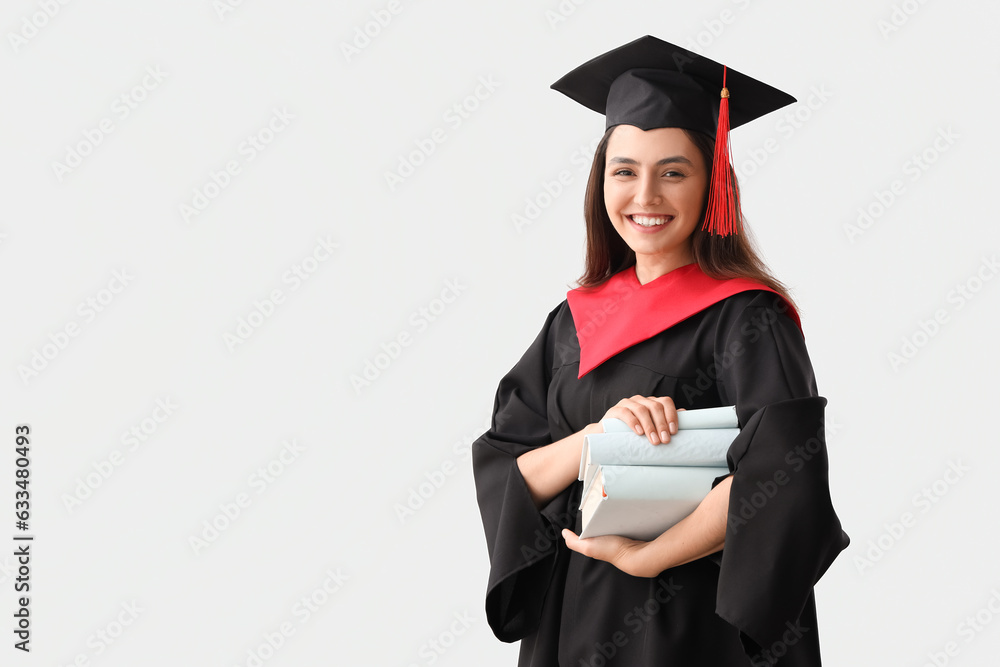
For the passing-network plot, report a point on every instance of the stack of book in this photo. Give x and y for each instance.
(636, 489)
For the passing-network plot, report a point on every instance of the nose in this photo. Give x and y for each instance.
(648, 192)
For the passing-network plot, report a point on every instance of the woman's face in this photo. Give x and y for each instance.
(655, 184)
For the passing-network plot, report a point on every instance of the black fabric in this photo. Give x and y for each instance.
(651, 98)
(725, 609)
(651, 83)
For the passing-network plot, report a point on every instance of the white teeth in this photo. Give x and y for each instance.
(647, 221)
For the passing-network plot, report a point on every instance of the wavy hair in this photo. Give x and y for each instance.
(720, 257)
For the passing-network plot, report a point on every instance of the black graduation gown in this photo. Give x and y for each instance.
(750, 604)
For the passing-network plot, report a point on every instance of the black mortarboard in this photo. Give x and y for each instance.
(651, 84)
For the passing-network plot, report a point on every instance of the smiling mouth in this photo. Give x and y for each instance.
(650, 220)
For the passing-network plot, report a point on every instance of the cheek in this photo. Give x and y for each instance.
(694, 198)
(612, 200)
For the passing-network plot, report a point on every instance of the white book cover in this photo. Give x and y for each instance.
(721, 417)
(697, 447)
(703, 438)
(641, 502)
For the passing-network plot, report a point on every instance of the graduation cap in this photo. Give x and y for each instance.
(651, 84)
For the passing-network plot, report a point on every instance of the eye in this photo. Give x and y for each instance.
(622, 172)
(673, 174)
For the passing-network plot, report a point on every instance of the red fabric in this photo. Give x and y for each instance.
(622, 312)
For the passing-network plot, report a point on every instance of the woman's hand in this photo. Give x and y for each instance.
(624, 553)
(656, 417)
(699, 534)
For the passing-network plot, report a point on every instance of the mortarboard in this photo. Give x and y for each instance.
(651, 84)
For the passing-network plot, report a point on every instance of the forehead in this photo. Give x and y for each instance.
(630, 141)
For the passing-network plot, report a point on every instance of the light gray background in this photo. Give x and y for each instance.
(886, 96)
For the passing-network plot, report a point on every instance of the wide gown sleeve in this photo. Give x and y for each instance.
(782, 532)
(523, 541)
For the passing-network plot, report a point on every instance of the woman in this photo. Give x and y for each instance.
(674, 311)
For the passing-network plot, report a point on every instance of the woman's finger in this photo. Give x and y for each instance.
(651, 415)
(666, 416)
(669, 413)
(654, 417)
(637, 412)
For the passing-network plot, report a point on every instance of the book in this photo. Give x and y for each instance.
(695, 447)
(702, 439)
(637, 489)
(721, 417)
(643, 501)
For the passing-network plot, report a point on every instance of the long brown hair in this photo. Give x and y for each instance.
(720, 257)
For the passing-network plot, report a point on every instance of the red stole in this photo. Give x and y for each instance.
(622, 312)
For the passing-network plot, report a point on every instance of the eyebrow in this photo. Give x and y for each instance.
(667, 160)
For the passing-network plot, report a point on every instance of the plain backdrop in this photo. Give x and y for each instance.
(263, 265)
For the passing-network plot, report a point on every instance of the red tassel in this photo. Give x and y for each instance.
(723, 206)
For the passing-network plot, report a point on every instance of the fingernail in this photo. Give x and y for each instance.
(638, 429)
(664, 436)
(673, 427)
(653, 438)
